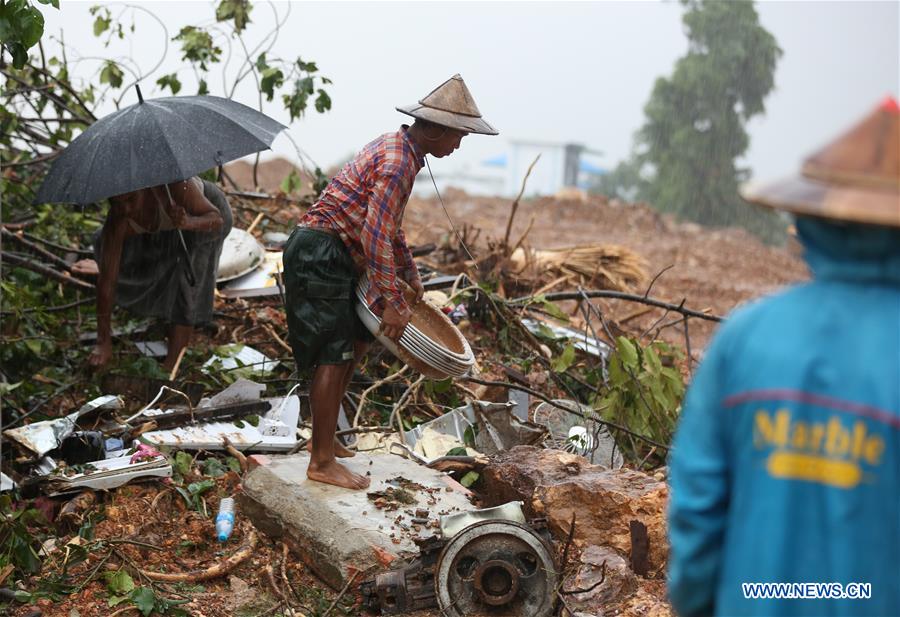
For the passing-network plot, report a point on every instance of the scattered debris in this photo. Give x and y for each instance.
(241, 253)
(240, 360)
(105, 474)
(262, 281)
(41, 437)
(579, 434)
(272, 431)
(483, 559)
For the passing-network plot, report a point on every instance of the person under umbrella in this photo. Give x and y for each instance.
(785, 472)
(141, 264)
(159, 248)
(354, 228)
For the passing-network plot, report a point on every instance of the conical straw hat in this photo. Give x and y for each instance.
(451, 104)
(855, 178)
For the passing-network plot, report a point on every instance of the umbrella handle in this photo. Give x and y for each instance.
(192, 279)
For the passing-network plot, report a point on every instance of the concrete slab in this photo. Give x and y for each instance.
(337, 531)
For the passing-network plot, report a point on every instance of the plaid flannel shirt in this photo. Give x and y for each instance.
(364, 204)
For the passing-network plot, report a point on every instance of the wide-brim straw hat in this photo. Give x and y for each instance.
(451, 104)
(855, 178)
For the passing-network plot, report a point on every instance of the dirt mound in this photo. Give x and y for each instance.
(269, 174)
(714, 269)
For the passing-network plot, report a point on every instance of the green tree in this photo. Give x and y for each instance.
(685, 159)
(45, 105)
(21, 27)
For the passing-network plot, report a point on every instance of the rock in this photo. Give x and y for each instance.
(619, 581)
(515, 474)
(242, 594)
(556, 485)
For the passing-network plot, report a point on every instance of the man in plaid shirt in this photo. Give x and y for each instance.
(354, 229)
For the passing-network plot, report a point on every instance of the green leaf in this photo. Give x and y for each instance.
(272, 78)
(457, 451)
(469, 436)
(291, 183)
(197, 46)
(308, 67)
(562, 362)
(30, 26)
(202, 88)
(55, 3)
(213, 468)
(252, 420)
(323, 102)
(198, 488)
(101, 24)
(551, 309)
(111, 74)
(627, 352)
(23, 597)
(169, 81)
(119, 582)
(443, 385)
(233, 464)
(469, 479)
(19, 54)
(238, 10)
(183, 462)
(116, 600)
(144, 599)
(652, 361)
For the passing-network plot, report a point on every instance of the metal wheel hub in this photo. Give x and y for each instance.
(500, 567)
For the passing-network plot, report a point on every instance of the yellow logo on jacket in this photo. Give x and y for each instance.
(828, 452)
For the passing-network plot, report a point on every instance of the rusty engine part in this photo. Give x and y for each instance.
(504, 566)
(399, 591)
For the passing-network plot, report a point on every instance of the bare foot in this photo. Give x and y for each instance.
(334, 473)
(340, 450)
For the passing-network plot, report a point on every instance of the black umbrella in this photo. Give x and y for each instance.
(155, 142)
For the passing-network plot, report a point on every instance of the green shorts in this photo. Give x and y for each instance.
(320, 283)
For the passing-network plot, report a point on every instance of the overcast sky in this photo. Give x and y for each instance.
(555, 71)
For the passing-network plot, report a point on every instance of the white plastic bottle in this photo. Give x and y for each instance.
(225, 519)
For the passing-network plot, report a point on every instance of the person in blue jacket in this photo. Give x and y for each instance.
(785, 471)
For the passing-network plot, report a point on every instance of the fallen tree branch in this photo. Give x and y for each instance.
(515, 204)
(372, 388)
(60, 247)
(241, 458)
(46, 271)
(220, 569)
(341, 595)
(617, 295)
(51, 309)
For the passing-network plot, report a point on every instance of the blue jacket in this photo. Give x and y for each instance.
(786, 463)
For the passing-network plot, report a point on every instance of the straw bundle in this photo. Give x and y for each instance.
(599, 266)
